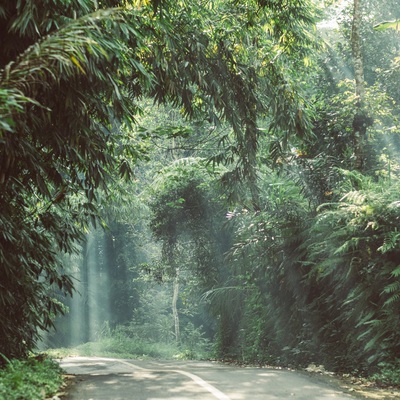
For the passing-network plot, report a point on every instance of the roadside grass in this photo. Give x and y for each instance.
(121, 346)
(35, 378)
(112, 347)
(126, 342)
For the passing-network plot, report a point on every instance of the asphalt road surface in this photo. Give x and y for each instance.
(115, 379)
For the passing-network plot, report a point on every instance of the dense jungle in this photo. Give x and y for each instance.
(212, 179)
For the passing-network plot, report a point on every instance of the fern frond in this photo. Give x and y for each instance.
(393, 287)
(396, 272)
(355, 197)
(391, 242)
(393, 299)
(347, 246)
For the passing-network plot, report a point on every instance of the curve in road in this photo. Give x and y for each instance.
(117, 379)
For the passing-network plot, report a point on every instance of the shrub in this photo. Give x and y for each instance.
(30, 379)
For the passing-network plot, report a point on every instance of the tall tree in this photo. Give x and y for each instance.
(361, 120)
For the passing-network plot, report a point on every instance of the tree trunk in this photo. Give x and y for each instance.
(356, 51)
(361, 121)
(175, 308)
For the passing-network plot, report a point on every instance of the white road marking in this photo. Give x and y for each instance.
(196, 379)
(213, 390)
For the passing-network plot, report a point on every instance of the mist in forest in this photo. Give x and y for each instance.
(123, 307)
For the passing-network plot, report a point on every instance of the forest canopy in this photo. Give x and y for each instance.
(252, 146)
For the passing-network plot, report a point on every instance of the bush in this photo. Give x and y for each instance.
(30, 379)
(388, 375)
(126, 342)
(126, 347)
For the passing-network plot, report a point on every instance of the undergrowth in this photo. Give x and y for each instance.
(119, 348)
(121, 343)
(388, 375)
(30, 379)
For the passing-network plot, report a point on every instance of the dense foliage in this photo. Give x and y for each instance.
(31, 379)
(312, 272)
(263, 161)
(70, 80)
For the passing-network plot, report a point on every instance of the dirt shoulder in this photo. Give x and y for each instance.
(358, 387)
(355, 386)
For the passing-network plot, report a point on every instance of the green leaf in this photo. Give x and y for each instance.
(382, 26)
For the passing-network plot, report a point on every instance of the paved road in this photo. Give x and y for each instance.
(115, 379)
